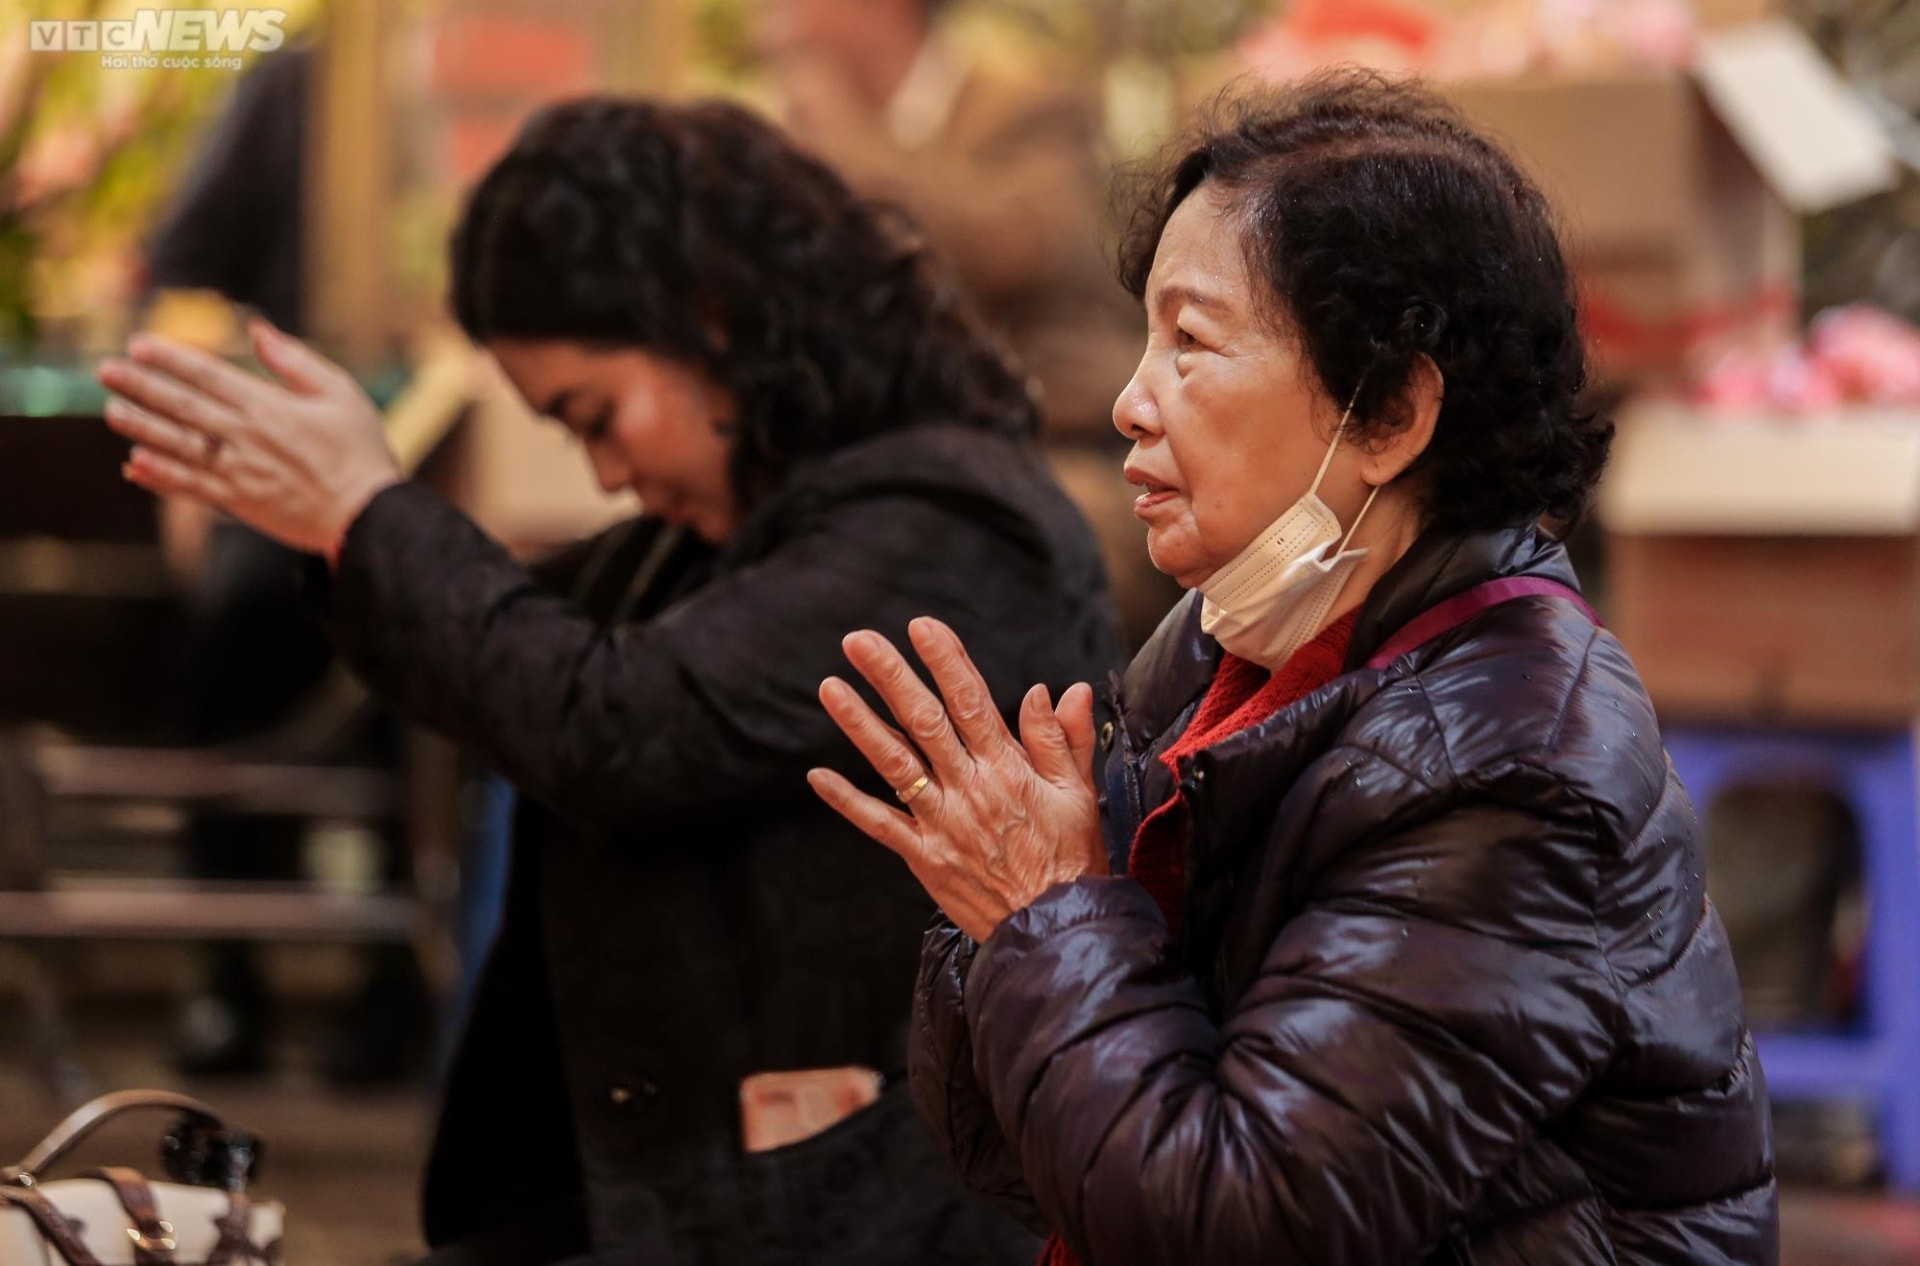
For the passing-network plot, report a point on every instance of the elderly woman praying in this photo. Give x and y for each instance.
(1382, 937)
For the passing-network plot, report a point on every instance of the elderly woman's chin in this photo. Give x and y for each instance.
(1176, 554)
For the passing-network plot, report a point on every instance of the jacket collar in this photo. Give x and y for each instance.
(1177, 663)
(1169, 672)
(1442, 564)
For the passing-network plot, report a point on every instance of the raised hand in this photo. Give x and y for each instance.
(296, 459)
(988, 822)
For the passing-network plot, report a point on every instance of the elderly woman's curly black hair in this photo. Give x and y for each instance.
(1382, 228)
(698, 233)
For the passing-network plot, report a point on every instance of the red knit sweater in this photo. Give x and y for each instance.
(1242, 695)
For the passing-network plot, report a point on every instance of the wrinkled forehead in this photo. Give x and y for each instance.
(1201, 259)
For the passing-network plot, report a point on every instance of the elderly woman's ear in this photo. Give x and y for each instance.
(1386, 455)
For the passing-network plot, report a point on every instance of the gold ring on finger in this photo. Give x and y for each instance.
(919, 785)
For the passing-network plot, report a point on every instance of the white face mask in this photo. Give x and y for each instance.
(1275, 595)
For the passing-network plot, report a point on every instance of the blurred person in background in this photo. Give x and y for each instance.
(1388, 941)
(822, 436)
(254, 651)
(1002, 170)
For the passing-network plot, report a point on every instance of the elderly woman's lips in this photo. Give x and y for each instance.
(1146, 501)
(1153, 492)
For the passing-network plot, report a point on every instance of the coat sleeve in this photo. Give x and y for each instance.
(1390, 1057)
(711, 704)
(559, 570)
(945, 1090)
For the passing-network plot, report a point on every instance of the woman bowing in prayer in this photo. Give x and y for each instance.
(821, 438)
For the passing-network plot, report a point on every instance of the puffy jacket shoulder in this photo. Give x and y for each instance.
(1532, 707)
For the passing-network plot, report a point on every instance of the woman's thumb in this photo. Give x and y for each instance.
(1049, 743)
(1075, 715)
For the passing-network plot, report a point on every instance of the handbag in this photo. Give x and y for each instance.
(113, 1216)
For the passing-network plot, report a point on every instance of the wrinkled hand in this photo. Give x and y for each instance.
(999, 820)
(296, 459)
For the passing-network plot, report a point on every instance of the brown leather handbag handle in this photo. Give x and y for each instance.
(84, 1120)
(234, 1247)
(54, 1226)
(153, 1241)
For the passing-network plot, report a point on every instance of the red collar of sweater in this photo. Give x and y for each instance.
(1241, 695)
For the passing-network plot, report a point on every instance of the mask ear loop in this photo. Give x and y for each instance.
(1338, 431)
(1327, 461)
(1368, 505)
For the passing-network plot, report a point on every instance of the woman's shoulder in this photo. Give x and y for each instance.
(933, 454)
(1531, 701)
(943, 477)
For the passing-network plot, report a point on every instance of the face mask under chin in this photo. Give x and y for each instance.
(1273, 597)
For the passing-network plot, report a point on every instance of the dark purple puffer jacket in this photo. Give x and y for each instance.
(1450, 989)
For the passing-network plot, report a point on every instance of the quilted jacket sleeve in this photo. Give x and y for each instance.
(1391, 1056)
(648, 723)
(945, 1090)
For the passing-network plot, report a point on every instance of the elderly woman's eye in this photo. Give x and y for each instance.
(1184, 340)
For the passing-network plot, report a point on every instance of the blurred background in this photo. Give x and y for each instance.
(224, 870)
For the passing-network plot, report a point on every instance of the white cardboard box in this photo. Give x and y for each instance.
(1766, 567)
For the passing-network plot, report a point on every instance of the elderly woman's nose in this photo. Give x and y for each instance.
(1133, 412)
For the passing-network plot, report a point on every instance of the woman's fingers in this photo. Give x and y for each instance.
(891, 756)
(1046, 742)
(155, 433)
(206, 373)
(178, 402)
(918, 710)
(879, 821)
(1076, 718)
(168, 477)
(292, 362)
(1059, 738)
(968, 700)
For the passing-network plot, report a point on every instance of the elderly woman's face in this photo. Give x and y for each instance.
(1229, 422)
(647, 423)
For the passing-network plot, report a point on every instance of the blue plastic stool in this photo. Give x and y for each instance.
(1875, 773)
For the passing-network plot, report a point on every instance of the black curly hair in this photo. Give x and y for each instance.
(1383, 229)
(697, 232)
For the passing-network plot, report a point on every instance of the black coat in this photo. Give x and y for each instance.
(1449, 988)
(682, 910)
